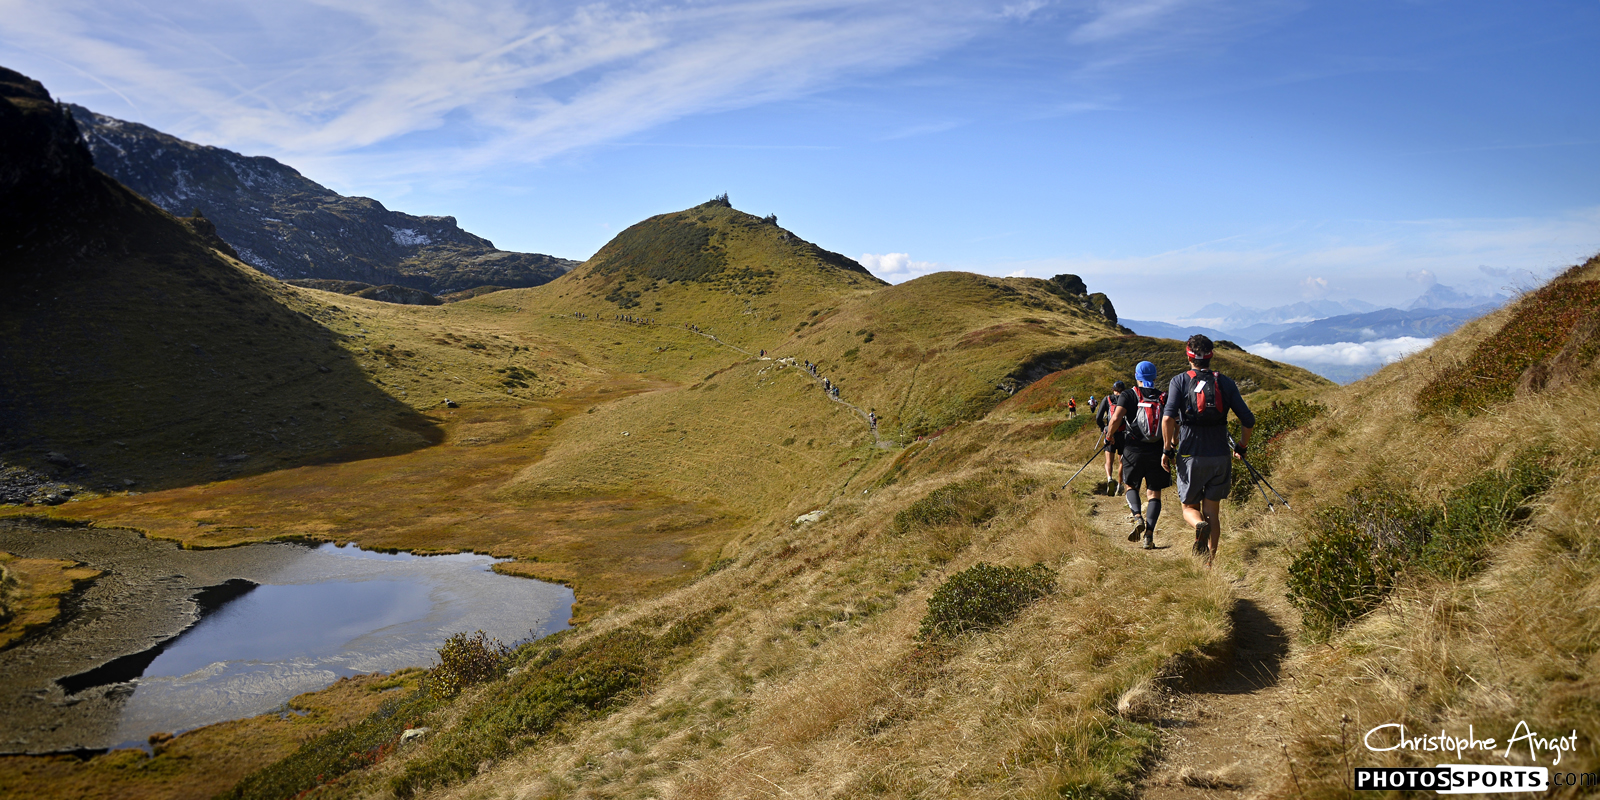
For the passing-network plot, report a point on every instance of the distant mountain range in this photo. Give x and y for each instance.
(1167, 330)
(1234, 317)
(289, 226)
(1388, 323)
(1441, 296)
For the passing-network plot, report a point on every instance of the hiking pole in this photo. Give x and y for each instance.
(1256, 474)
(1103, 446)
(1254, 477)
(1263, 479)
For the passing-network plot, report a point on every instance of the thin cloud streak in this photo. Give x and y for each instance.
(415, 87)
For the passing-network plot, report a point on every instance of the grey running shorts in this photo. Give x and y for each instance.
(1208, 477)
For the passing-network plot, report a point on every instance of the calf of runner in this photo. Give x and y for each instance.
(1141, 457)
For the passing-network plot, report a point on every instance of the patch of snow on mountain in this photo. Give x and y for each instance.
(408, 236)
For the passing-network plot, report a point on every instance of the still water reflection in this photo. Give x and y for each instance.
(324, 613)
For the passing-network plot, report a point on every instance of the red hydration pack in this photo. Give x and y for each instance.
(1145, 424)
(1204, 405)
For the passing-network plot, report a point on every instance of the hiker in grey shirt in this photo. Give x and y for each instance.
(1194, 426)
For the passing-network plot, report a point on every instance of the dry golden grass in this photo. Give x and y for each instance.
(816, 685)
(34, 592)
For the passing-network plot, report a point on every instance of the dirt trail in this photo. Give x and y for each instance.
(1223, 738)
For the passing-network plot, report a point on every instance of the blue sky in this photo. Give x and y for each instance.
(1173, 152)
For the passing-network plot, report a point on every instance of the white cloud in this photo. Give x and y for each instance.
(1423, 277)
(1315, 288)
(1349, 354)
(1021, 273)
(1022, 10)
(896, 267)
(1260, 268)
(303, 79)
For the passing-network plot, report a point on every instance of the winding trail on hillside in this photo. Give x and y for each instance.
(1223, 735)
(792, 363)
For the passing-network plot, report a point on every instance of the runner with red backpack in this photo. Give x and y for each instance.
(1136, 418)
(1194, 429)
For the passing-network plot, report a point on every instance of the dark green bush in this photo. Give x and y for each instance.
(966, 502)
(1349, 563)
(982, 597)
(1480, 513)
(1358, 551)
(465, 660)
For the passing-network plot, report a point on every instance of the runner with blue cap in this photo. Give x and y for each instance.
(1137, 417)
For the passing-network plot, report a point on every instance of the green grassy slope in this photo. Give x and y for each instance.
(663, 472)
(132, 347)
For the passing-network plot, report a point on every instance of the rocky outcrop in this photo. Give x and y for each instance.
(1072, 289)
(43, 162)
(289, 226)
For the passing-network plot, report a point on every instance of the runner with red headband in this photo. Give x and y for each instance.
(1195, 432)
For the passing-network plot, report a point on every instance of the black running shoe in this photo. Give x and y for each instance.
(1149, 539)
(1138, 528)
(1202, 538)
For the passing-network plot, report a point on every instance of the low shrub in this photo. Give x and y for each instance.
(10, 589)
(983, 596)
(465, 660)
(552, 685)
(327, 758)
(1358, 551)
(968, 502)
(669, 247)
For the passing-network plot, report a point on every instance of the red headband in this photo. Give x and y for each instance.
(1197, 356)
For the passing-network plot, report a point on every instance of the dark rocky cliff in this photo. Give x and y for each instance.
(289, 226)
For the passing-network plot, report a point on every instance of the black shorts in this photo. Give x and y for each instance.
(1144, 465)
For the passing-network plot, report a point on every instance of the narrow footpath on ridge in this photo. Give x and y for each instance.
(790, 362)
(1222, 736)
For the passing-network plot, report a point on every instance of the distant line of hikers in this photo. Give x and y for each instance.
(1185, 427)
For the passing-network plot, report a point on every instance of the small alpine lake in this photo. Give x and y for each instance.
(168, 640)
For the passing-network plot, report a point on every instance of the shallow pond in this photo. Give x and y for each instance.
(274, 620)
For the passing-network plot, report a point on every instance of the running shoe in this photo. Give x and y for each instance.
(1202, 538)
(1138, 528)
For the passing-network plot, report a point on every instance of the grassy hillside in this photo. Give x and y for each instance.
(133, 348)
(752, 562)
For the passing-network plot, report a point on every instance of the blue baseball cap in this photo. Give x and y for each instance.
(1145, 373)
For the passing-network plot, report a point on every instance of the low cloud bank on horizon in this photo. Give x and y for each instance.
(1346, 354)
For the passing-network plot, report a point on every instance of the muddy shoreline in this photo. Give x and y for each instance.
(137, 651)
(145, 598)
